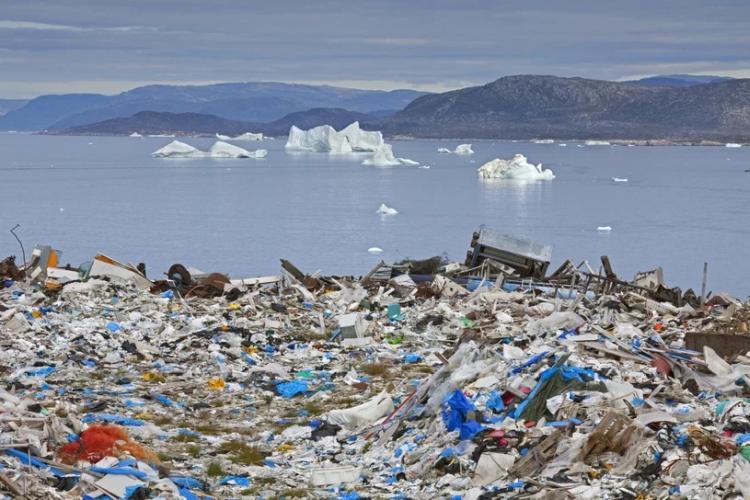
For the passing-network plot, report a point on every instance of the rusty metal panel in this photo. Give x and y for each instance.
(725, 345)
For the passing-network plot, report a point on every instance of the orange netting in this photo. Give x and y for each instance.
(99, 441)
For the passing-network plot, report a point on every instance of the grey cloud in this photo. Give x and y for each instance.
(432, 44)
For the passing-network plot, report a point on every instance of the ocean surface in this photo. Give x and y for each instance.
(682, 206)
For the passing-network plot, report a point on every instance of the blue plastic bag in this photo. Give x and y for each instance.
(290, 389)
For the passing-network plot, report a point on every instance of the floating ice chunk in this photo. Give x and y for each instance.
(375, 250)
(325, 139)
(384, 157)
(222, 137)
(604, 229)
(597, 143)
(461, 149)
(543, 141)
(619, 179)
(386, 210)
(249, 136)
(733, 145)
(135, 134)
(177, 149)
(563, 145)
(222, 149)
(516, 169)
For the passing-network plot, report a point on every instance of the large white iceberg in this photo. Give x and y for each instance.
(325, 139)
(597, 143)
(362, 140)
(322, 139)
(220, 149)
(516, 169)
(177, 149)
(384, 157)
(733, 145)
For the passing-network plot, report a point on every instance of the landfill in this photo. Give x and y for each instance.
(421, 379)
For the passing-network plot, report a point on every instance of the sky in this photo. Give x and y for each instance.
(104, 46)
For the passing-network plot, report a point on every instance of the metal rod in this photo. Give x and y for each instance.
(23, 252)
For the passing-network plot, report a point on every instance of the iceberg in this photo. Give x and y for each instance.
(325, 139)
(249, 136)
(517, 168)
(375, 250)
(386, 210)
(322, 139)
(461, 149)
(733, 145)
(543, 141)
(604, 229)
(464, 149)
(135, 134)
(362, 140)
(597, 143)
(177, 149)
(384, 157)
(220, 149)
(223, 137)
(619, 179)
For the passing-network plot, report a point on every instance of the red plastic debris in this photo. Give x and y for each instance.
(99, 441)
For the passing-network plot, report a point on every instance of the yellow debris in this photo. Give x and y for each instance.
(216, 384)
(154, 377)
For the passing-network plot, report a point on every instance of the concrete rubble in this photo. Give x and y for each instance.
(442, 383)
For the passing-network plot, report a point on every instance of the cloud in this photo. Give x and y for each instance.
(30, 25)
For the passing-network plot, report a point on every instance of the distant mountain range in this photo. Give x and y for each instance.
(529, 106)
(672, 107)
(162, 122)
(679, 80)
(250, 102)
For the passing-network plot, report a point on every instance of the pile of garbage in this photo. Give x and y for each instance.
(414, 381)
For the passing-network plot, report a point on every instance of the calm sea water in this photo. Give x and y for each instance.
(682, 206)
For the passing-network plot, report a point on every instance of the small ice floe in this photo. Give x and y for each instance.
(386, 210)
(604, 229)
(732, 145)
(62, 210)
(619, 179)
(563, 145)
(375, 250)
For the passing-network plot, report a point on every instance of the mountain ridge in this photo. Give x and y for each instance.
(249, 101)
